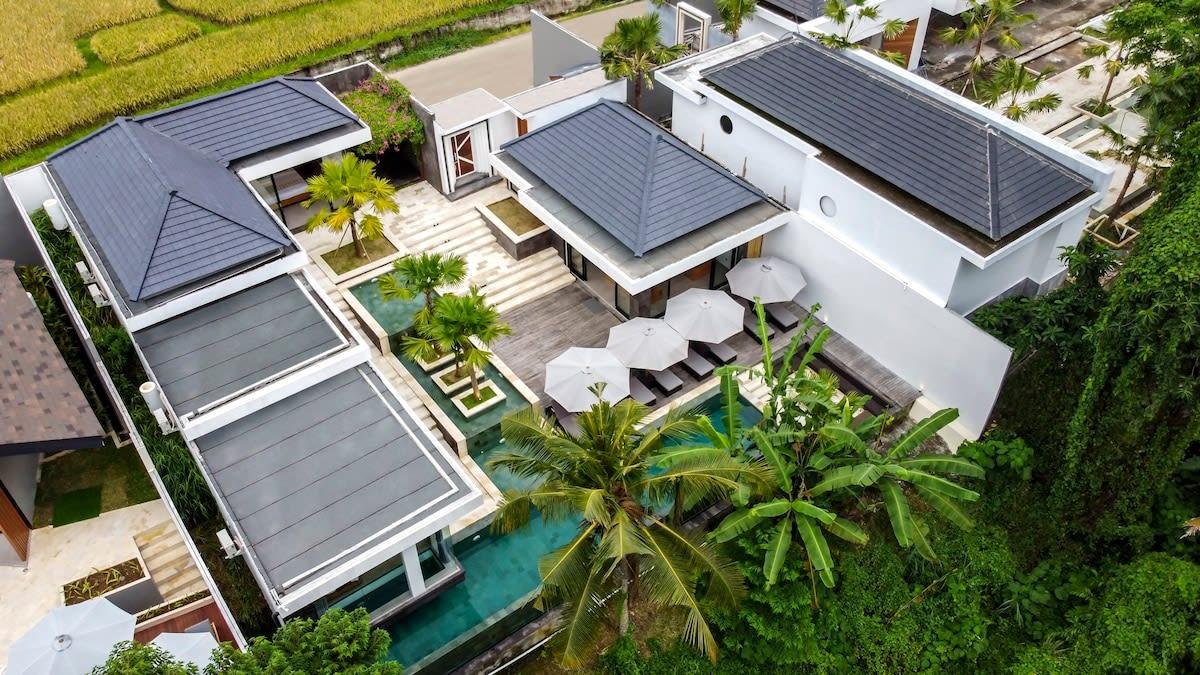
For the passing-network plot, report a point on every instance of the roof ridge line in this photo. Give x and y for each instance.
(993, 169)
(287, 82)
(162, 219)
(125, 124)
(647, 190)
(218, 212)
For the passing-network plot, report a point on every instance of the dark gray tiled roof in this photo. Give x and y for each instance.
(804, 9)
(324, 470)
(161, 214)
(246, 338)
(634, 179)
(41, 406)
(978, 175)
(236, 124)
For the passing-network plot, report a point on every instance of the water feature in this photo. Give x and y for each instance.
(394, 316)
(493, 599)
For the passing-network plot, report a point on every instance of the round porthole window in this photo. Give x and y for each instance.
(828, 207)
(726, 124)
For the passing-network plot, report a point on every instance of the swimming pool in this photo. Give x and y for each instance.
(501, 578)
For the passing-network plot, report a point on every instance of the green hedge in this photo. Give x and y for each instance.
(140, 39)
(63, 108)
(237, 11)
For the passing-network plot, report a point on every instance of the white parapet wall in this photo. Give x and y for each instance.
(952, 362)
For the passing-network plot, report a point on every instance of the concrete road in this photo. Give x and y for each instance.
(504, 67)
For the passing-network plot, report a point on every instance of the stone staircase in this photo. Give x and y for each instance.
(753, 389)
(168, 562)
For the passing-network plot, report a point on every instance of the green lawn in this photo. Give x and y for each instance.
(345, 258)
(516, 217)
(117, 472)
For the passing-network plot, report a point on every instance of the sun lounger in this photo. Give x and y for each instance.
(718, 351)
(640, 392)
(566, 420)
(781, 316)
(697, 365)
(666, 381)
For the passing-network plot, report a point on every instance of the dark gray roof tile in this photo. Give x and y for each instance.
(977, 174)
(634, 179)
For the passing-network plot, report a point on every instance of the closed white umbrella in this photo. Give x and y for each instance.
(71, 640)
(705, 316)
(570, 376)
(194, 648)
(649, 344)
(769, 279)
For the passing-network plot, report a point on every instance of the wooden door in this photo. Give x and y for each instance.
(464, 157)
(13, 524)
(522, 126)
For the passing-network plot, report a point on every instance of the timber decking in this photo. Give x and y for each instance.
(572, 317)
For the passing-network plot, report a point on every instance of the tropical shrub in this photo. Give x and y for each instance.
(384, 105)
(133, 41)
(350, 197)
(26, 60)
(422, 274)
(338, 642)
(211, 60)
(133, 658)
(237, 11)
(464, 326)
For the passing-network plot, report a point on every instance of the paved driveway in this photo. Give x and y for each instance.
(504, 67)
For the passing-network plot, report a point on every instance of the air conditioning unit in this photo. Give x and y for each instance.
(98, 296)
(85, 272)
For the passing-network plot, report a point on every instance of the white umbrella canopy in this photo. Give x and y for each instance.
(704, 315)
(570, 376)
(71, 640)
(194, 648)
(770, 279)
(649, 344)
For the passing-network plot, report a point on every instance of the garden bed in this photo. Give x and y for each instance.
(449, 381)
(489, 396)
(518, 231)
(345, 259)
(102, 582)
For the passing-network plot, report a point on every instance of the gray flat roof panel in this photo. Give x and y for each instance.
(323, 471)
(633, 178)
(236, 124)
(211, 352)
(942, 157)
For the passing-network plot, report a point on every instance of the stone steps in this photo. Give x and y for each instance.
(444, 232)
(168, 562)
(536, 287)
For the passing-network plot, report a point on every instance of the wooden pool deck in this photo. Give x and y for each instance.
(572, 317)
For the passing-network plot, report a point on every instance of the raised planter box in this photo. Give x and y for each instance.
(127, 585)
(368, 268)
(484, 387)
(453, 386)
(516, 245)
(430, 366)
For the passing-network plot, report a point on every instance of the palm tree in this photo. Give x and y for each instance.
(614, 478)
(827, 457)
(348, 185)
(632, 51)
(979, 21)
(1114, 49)
(840, 12)
(461, 325)
(734, 13)
(423, 273)
(1009, 83)
(1129, 153)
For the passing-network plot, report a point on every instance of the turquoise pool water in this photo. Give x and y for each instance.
(482, 430)
(394, 316)
(501, 576)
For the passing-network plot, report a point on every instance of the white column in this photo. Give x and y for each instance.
(914, 57)
(412, 570)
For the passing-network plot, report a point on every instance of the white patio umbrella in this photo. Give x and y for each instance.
(571, 374)
(770, 279)
(649, 344)
(194, 648)
(70, 640)
(704, 315)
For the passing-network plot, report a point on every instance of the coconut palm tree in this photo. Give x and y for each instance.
(348, 185)
(980, 20)
(632, 51)
(1129, 153)
(734, 13)
(461, 325)
(615, 478)
(1114, 49)
(827, 459)
(423, 273)
(846, 15)
(1010, 87)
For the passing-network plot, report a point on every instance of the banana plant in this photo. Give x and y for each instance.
(824, 452)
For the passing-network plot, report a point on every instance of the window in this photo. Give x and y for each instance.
(575, 262)
(828, 207)
(624, 302)
(726, 124)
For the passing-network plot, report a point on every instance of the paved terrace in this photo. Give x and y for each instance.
(572, 317)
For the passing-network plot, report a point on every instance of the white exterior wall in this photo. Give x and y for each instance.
(613, 91)
(952, 362)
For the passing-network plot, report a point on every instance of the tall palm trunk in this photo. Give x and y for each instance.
(359, 248)
(475, 383)
(637, 91)
(1107, 92)
(1116, 207)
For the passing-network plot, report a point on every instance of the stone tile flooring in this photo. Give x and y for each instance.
(62, 554)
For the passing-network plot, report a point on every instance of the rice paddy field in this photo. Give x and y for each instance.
(81, 62)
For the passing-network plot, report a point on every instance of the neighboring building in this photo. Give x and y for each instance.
(42, 410)
(334, 492)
